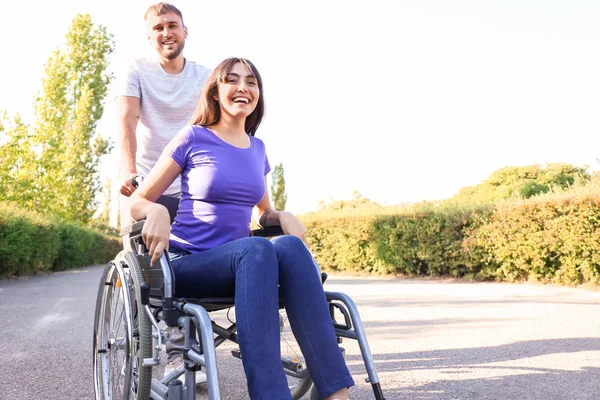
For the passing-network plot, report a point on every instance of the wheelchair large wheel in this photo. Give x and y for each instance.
(294, 365)
(122, 334)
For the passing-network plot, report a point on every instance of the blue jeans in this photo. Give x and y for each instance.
(254, 269)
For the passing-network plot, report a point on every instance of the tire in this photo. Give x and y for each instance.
(113, 336)
(299, 380)
(122, 334)
(100, 359)
(143, 340)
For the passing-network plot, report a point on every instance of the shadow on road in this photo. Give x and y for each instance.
(514, 382)
(453, 358)
(378, 302)
(550, 385)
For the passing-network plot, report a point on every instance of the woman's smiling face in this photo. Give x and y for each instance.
(238, 93)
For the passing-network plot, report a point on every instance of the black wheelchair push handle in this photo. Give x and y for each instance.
(136, 180)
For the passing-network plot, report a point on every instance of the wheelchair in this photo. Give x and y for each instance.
(134, 300)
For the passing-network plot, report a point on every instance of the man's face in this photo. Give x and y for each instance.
(167, 34)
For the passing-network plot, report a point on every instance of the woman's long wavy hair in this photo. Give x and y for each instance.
(208, 111)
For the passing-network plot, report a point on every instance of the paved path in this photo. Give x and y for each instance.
(431, 339)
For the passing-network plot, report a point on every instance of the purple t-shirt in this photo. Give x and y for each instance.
(220, 185)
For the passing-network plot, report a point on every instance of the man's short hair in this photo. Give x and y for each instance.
(161, 9)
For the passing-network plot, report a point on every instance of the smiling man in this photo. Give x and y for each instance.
(155, 98)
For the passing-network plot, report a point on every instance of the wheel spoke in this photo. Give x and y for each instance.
(299, 381)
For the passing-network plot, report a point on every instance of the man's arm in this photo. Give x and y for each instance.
(128, 115)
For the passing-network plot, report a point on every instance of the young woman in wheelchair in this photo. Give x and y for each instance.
(223, 169)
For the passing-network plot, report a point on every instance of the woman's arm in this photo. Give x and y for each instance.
(158, 223)
(268, 216)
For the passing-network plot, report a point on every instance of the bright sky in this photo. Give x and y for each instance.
(402, 101)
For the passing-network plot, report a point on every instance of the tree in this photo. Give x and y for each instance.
(278, 188)
(358, 201)
(63, 150)
(17, 172)
(104, 217)
(524, 182)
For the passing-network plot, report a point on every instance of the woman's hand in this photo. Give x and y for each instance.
(292, 226)
(156, 231)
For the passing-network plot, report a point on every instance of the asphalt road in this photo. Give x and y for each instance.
(431, 339)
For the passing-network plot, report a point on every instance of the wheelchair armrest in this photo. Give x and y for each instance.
(269, 231)
(134, 229)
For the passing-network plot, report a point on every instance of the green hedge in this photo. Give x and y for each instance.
(554, 238)
(549, 239)
(31, 243)
(425, 242)
(345, 244)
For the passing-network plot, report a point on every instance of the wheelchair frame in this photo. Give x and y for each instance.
(147, 297)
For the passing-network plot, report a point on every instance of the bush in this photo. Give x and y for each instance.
(345, 244)
(32, 243)
(80, 246)
(424, 243)
(551, 239)
(29, 243)
(423, 240)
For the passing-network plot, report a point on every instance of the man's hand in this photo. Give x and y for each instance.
(127, 187)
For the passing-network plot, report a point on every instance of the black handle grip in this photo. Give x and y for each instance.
(136, 180)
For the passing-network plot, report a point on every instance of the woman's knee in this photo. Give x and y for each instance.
(289, 245)
(293, 256)
(259, 249)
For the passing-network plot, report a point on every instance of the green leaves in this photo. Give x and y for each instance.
(278, 188)
(555, 238)
(31, 242)
(524, 182)
(52, 165)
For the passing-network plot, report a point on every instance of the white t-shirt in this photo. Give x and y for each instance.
(167, 103)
